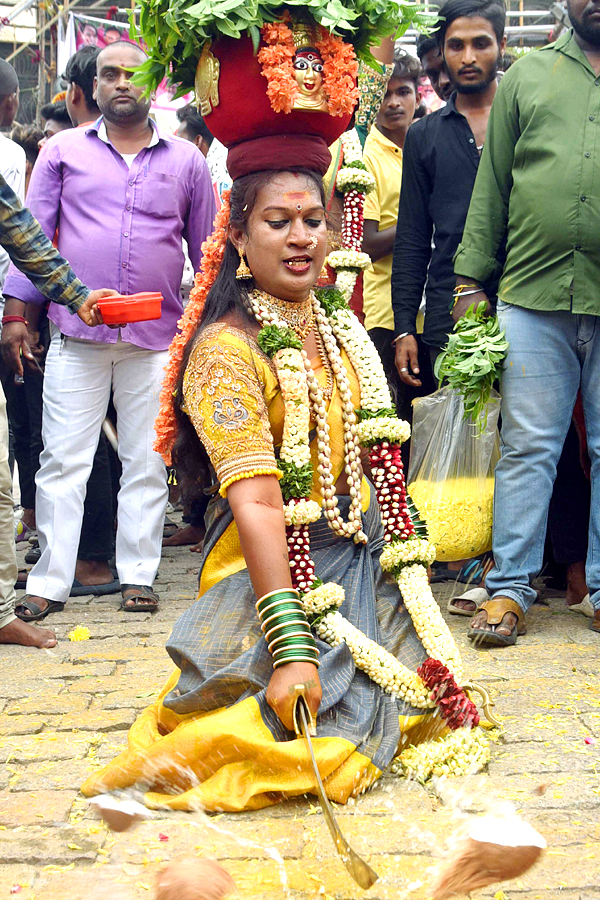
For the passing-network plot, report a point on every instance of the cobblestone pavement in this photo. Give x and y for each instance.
(64, 712)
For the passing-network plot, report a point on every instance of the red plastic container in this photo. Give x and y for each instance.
(122, 309)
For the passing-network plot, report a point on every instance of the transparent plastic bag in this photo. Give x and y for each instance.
(451, 473)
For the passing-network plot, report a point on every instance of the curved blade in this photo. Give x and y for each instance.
(361, 871)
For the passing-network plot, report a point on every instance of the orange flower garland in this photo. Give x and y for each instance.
(340, 69)
(277, 61)
(213, 250)
(340, 73)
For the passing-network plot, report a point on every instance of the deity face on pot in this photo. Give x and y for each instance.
(308, 71)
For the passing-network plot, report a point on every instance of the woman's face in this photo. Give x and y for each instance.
(286, 241)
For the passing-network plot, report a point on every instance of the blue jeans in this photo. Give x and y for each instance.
(551, 356)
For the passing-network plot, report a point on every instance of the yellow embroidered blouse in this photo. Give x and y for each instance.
(232, 397)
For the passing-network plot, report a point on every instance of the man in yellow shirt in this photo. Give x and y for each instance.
(383, 158)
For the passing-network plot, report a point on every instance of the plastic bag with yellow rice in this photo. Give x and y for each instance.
(451, 473)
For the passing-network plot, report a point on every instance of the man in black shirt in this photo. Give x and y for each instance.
(441, 156)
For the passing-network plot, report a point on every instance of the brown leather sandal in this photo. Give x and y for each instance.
(496, 609)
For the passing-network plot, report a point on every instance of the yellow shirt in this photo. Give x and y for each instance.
(383, 159)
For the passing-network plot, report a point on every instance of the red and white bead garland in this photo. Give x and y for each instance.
(302, 567)
(350, 260)
(388, 477)
(353, 220)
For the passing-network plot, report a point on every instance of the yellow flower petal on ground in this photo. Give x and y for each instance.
(80, 633)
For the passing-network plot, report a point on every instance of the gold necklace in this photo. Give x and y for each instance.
(297, 315)
(328, 389)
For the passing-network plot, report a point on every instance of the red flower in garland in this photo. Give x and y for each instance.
(454, 705)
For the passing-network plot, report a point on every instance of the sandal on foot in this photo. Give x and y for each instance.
(496, 609)
(595, 622)
(475, 595)
(37, 613)
(169, 527)
(584, 606)
(144, 599)
(97, 590)
(471, 572)
(33, 554)
(21, 582)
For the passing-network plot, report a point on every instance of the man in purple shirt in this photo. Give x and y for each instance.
(122, 196)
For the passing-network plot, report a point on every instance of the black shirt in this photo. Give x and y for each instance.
(440, 161)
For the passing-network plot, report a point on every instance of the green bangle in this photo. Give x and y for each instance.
(287, 628)
(296, 637)
(279, 604)
(281, 615)
(289, 639)
(285, 619)
(288, 593)
(306, 643)
(283, 662)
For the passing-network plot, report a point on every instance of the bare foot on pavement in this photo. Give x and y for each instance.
(17, 632)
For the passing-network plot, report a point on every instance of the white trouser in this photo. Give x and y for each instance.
(8, 558)
(77, 383)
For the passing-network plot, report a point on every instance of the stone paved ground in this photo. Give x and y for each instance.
(64, 712)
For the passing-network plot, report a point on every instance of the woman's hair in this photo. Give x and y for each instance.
(226, 296)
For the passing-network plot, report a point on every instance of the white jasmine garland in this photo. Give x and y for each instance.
(362, 353)
(461, 752)
(296, 421)
(400, 553)
(348, 259)
(320, 599)
(301, 512)
(427, 618)
(351, 146)
(383, 428)
(358, 178)
(389, 673)
(345, 281)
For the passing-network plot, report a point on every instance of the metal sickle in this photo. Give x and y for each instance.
(304, 726)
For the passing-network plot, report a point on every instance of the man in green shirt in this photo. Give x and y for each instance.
(537, 194)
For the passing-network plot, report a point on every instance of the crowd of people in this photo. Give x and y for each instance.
(488, 199)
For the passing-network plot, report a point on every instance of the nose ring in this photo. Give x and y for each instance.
(313, 242)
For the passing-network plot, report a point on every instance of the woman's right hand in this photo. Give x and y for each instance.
(281, 694)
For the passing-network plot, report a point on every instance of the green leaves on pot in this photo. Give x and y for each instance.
(175, 31)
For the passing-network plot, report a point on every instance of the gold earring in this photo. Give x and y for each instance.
(243, 272)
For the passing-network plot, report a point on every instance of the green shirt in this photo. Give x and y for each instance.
(538, 185)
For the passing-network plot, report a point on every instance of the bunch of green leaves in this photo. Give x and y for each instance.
(363, 414)
(472, 361)
(418, 523)
(331, 298)
(296, 480)
(175, 31)
(272, 338)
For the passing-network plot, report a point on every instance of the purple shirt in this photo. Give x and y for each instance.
(120, 227)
